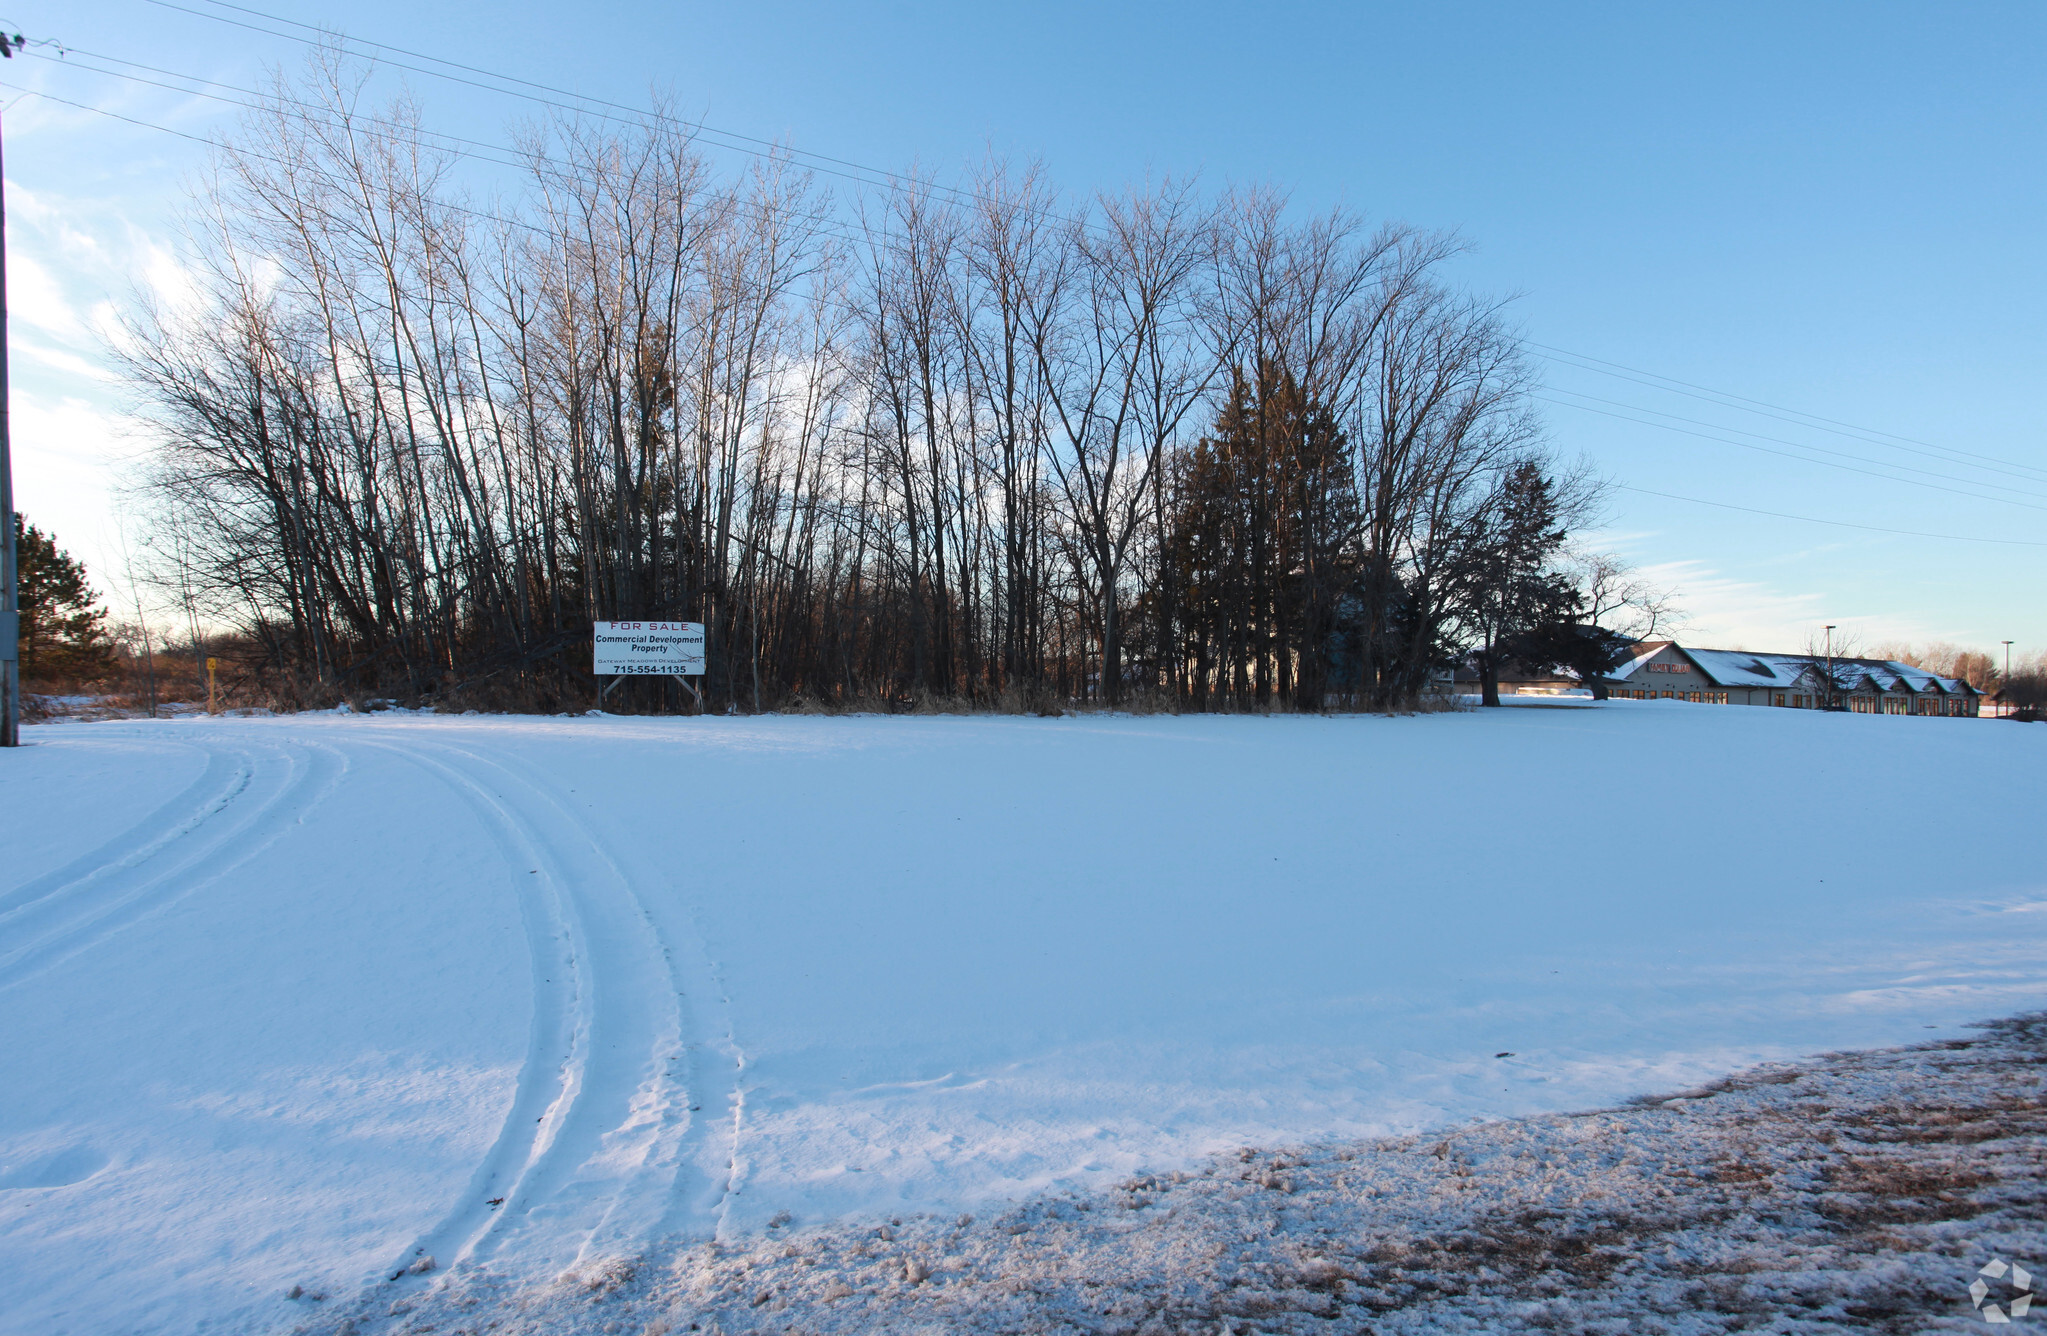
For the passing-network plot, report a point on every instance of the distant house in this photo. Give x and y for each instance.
(1666, 670)
(1516, 679)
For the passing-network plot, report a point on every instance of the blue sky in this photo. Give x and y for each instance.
(1831, 208)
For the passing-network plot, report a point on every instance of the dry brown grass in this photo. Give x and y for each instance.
(1854, 1193)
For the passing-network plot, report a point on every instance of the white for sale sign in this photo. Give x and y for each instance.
(649, 649)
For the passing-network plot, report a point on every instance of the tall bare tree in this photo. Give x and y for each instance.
(984, 444)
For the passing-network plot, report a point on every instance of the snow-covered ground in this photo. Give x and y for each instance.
(295, 1002)
(1895, 1192)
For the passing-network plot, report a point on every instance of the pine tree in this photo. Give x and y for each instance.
(1517, 590)
(1569, 643)
(1255, 542)
(63, 626)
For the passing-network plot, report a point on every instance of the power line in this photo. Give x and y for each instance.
(315, 113)
(1742, 403)
(861, 173)
(478, 150)
(1626, 487)
(481, 151)
(518, 223)
(1796, 445)
(824, 225)
(1785, 454)
(1602, 366)
(2013, 472)
(310, 111)
(581, 102)
(1839, 524)
(328, 177)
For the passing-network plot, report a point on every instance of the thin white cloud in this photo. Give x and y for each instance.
(1729, 612)
(34, 297)
(63, 360)
(1722, 610)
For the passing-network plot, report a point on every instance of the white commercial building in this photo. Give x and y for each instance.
(1666, 670)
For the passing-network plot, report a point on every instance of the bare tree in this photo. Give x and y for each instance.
(1621, 599)
(413, 442)
(1829, 672)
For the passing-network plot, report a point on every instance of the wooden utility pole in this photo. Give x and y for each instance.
(10, 571)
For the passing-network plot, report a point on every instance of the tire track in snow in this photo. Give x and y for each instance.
(557, 1040)
(257, 795)
(601, 1127)
(649, 1135)
(226, 775)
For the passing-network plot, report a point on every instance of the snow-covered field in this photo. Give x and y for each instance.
(295, 1002)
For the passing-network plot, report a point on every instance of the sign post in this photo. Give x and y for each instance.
(648, 649)
(211, 664)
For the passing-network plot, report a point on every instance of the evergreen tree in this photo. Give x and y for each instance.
(1517, 590)
(63, 626)
(1255, 544)
(1584, 649)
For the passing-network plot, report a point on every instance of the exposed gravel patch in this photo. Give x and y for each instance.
(1857, 1192)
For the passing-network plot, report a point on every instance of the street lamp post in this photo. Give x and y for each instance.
(1830, 666)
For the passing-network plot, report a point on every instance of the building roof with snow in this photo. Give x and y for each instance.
(1784, 672)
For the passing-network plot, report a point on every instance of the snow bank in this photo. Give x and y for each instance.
(298, 1002)
(1863, 1192)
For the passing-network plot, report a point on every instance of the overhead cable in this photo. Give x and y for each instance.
(1839, 524)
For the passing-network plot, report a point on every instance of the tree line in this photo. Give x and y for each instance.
(987, 444)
